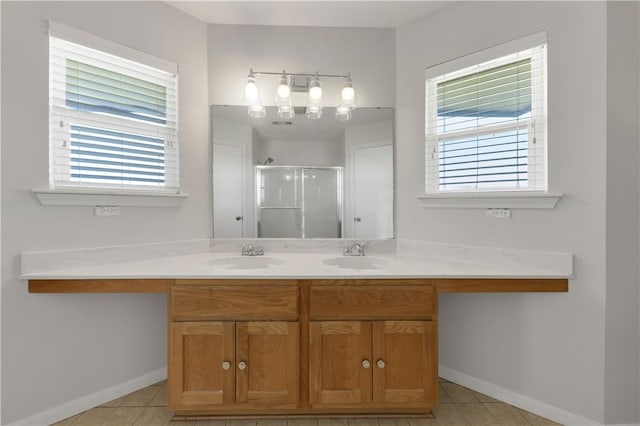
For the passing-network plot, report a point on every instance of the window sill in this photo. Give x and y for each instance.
(488, 200)
(76, 197)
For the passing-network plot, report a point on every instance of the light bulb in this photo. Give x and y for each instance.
(348, 93)
(284, 91)
(315, 93)
(251, 91)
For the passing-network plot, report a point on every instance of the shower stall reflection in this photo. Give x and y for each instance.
(299, 201)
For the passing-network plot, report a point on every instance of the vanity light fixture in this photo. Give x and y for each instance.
(289, 84)
(283, 98)
(347, 101)
(252, 97)
(314, 105)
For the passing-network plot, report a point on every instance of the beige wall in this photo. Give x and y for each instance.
(58, 348)
(622, 335)
(367, 53)
(548, 348)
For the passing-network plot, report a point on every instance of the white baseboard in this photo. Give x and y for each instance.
(521, 401)
(71, 408)
(79, 405)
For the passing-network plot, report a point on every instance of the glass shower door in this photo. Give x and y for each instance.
(321, 203)
(279, 202)
(299, 202)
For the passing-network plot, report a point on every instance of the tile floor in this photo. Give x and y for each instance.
(458, 406)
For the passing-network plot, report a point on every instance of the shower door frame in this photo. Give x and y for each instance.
(339, 195)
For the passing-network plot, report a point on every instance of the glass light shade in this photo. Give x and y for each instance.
(314, 104)
(283, 98)
(314, 111)
(315, 91)
(283, 90)
(343, 113)
(257, 111)
(286, 111)
(252, 98)
(347, 95)
(251, 92)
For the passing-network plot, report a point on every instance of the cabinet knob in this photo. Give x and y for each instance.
(242, 365)
(226, 365)
(366, 363)
(380, 363)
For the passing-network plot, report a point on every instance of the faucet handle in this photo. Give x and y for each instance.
(355, 248)
(361, 246)
(252, 250)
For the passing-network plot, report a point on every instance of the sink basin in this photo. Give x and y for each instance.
(246, 262)
(358, 262)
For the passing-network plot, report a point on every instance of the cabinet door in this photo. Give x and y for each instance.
(404, 362)
(338, 372)
(201, 364)
(268, 363)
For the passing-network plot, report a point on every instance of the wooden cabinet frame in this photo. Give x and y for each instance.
(270, 350)
(218, 365)
(409, 352)
(281, 344)
(340, 347)
(200, 349)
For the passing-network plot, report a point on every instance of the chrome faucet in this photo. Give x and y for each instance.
(355, 249)
(251, 250)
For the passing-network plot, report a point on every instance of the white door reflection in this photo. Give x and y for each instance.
(372, 192)
(228, 189)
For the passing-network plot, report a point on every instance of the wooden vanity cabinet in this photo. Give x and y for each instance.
(365, 363)
(373, 346)
(233, 366)
(301, 347)
(269, 346)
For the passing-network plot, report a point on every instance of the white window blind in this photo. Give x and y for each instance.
(113, 121)
(486, 126)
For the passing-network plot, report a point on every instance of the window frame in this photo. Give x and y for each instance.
(496, 56)
(73, 193)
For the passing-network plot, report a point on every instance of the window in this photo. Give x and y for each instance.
(486, 124)
(113, 121)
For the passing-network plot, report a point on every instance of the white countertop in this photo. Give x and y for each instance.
(291, 259)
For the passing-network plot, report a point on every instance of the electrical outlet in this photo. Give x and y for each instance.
(107, 211)
(499, 213)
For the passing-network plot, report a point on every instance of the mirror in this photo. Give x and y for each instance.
(302, 178)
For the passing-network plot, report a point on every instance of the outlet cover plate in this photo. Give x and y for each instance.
(107, 210)
(499, 213)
